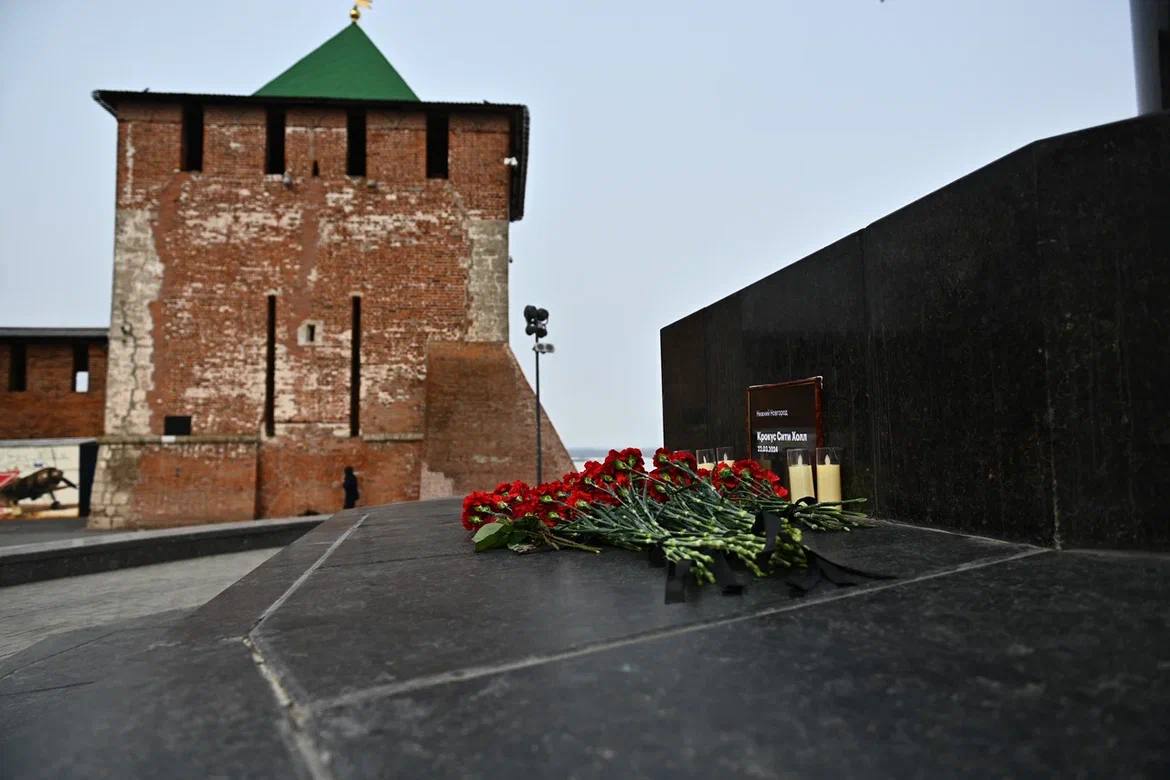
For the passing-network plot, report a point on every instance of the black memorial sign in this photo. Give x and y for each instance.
(784, 416)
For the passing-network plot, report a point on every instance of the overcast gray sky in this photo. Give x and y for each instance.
(680, 150)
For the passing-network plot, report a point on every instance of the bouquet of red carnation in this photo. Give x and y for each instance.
(687, 512)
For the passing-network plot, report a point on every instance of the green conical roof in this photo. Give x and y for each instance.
(347, 66)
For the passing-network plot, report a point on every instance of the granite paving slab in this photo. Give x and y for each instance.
(380, 645)
(33, 611)
(66, 641)
(1050, 666)
(135, 704)
(416, 585)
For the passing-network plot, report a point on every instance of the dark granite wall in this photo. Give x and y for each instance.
(996, 355)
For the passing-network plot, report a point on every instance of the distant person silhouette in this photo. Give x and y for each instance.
(350, 486)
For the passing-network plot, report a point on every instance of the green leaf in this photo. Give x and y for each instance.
(492, 536)
(486, 531)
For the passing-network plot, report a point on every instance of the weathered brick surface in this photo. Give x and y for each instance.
(481, 422)
(49, 408)
(299, 480)
(198, 253)
(156, 484)
(194, 483)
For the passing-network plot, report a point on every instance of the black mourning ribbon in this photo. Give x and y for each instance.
(729, 574)
(821, 570)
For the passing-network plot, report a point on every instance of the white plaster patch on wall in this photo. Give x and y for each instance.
(137, 280)
(223, 377)
(229, 224)
(340, 198)
(312, 429)
(114, 479)
(434, 484)
(436, 333)
(129, 188)
(285, 402)
(487, 282)
(372, 231)
(388, 383)
(482, 460)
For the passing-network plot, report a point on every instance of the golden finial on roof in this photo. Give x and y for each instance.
(355, 12)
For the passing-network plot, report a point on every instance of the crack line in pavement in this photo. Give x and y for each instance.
(49, 688)
(298, 715)
(474, 672)
(396, 560)
(36, 661)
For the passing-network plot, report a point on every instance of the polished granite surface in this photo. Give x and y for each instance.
(380, 645)
(993, 354)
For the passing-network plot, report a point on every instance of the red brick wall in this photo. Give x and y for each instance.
(298, 479)
(479, 145)
(229, 236)
(481, 422)
(48, 408)
(224, 238)
(149, 144)
(181, 484)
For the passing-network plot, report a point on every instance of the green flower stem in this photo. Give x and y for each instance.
(694, 518)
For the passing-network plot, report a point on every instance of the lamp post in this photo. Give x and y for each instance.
(536, 325)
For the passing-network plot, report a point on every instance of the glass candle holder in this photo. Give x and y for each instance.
(706, 458)
(800, 475)
(828, 474)
(724, 455)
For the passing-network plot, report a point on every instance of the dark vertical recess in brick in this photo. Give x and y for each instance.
(355, 369)
(274, 146)
(192, 151)
(355, 139)
(270, 371)
(80, 364)
(17, 368)
(438, 143)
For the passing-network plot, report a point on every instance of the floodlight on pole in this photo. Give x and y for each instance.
(536, 325)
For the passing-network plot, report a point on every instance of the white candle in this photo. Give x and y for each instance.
(829, 481)
(706, 465)
(800, 480)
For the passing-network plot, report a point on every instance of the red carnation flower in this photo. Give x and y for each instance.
(477, 510)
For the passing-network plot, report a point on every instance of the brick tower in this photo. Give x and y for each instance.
(311, 277)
